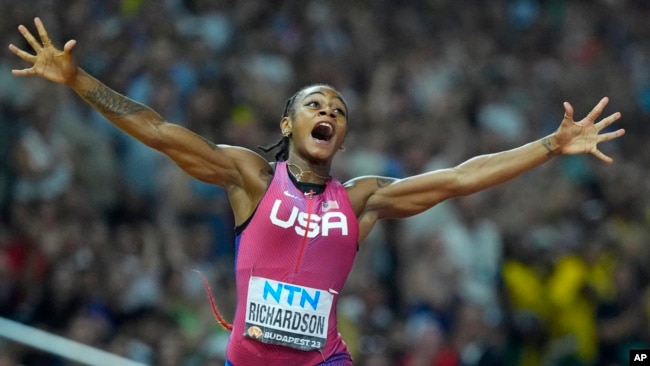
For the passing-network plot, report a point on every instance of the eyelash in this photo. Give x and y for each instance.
(316, 103)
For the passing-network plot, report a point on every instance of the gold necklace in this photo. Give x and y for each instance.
(299, 175)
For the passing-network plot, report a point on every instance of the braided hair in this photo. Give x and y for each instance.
(284, 142)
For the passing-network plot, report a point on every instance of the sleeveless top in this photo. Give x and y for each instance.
(292, 260)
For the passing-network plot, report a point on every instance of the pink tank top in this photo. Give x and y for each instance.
(292, 260)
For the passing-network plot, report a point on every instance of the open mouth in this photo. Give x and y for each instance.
(323, 131)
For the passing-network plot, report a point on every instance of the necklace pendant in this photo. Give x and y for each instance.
(299, 175)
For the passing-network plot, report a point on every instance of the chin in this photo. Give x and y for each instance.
(321, 155)
(323, 147)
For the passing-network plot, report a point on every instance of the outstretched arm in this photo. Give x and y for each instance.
(377, 198)
(238, 170)
(197, 156)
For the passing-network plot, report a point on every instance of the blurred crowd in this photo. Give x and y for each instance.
(101, 237)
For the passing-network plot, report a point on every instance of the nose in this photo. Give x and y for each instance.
(327, 111)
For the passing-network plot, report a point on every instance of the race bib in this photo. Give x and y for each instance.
(287, 314)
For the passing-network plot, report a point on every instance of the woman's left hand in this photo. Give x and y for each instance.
(583, 136)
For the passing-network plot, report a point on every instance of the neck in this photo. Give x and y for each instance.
(306, 174)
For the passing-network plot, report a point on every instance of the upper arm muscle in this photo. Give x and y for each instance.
(221, 165)
(410, 196)
(243, 173)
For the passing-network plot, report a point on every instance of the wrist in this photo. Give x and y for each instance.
(79, 79)
(551, 145)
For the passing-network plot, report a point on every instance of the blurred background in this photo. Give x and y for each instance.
(100, 236)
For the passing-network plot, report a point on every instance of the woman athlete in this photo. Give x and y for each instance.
(297, 227)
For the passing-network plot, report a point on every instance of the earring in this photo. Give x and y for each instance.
(342, 148)
(286, 133)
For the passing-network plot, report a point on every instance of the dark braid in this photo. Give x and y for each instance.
(283, 153)
(284, 142)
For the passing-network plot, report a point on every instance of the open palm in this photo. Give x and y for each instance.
(583, 136)
(47, 62)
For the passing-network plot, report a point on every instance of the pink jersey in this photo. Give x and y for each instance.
(292, 260)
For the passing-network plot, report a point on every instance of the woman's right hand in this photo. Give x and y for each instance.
(48, 62)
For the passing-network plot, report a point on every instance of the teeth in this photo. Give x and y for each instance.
(324, 124)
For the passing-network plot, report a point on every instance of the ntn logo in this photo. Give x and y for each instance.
(284, 293)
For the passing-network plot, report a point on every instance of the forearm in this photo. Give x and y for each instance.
(488, 170)
(197, 156)
(132, 117)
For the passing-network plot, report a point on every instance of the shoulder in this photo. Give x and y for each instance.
(251, 176)
(247, 160)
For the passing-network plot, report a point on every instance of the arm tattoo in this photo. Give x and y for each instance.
(547, 145)
(383, 182)
(111, 103)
